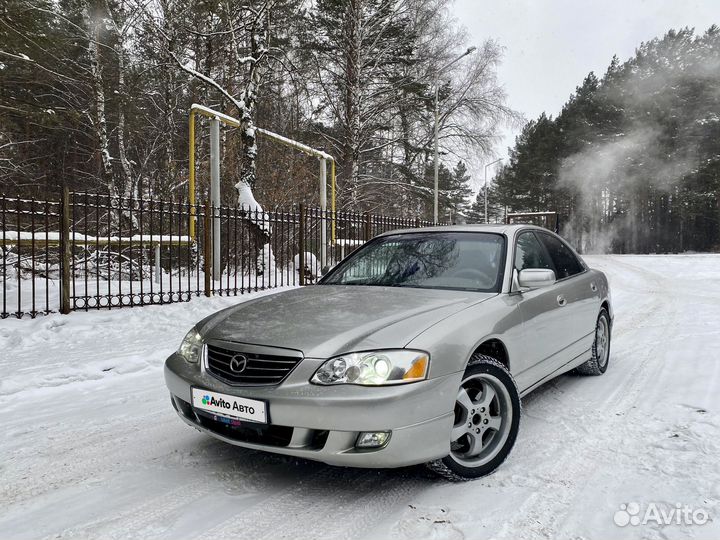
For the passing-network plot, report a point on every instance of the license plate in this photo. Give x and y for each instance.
(229, 406)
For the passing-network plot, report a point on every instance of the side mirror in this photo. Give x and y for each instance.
(535, 278)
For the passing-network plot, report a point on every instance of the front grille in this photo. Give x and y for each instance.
(260, 369)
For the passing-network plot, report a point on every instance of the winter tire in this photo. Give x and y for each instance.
(487, 419)
(598, 363)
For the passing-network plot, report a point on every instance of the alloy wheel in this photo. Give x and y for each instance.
(483, 414)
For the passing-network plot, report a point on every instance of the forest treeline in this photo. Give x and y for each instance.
(632, 162)
(95, 95)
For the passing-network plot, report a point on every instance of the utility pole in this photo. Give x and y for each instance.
(437, 126)
(486, 186)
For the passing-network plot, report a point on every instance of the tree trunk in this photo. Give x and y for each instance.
(100, 122)
(259, 35)
(126, 186)
(351, 143)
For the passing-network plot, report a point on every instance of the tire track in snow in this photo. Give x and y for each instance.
(382, 493)
(261, 519)
(90, 449)
(356, 497)
(134, 521)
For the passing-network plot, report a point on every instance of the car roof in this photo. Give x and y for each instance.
(497, 228)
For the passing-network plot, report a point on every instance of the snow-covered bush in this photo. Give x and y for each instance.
(312, 266)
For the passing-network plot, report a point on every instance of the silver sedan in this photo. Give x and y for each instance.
(414, 349)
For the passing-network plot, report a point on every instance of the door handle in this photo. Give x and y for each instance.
(593, 287)
(561, 300)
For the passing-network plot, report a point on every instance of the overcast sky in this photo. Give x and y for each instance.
(551, 45)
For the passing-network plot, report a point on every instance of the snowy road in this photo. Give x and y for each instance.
(92, 448)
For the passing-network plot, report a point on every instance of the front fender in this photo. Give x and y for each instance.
(452, 341)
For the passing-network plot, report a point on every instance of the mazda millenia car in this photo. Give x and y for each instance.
(414, 349)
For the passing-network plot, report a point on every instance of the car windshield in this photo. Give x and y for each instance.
(443, 260)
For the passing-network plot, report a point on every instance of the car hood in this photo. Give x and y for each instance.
(325, 320)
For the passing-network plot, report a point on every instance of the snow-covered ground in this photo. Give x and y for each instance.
(91, 446)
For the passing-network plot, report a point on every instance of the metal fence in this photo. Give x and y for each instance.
(92, 251)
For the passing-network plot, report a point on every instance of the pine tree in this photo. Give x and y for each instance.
(459, 191)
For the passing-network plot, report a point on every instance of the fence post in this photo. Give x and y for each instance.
(417, 222)
(157, 263)
(207, 249)
(368, 226)
(65, 252)
(301, 244)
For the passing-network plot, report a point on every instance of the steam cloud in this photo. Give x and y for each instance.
(656, 146)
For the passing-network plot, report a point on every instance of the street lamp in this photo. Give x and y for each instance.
(437, 127)
(486, 186)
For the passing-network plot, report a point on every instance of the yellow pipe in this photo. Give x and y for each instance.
(230, 121)
(210, 113)
(191, 176)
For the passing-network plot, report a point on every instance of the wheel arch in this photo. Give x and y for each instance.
(606, 305)
(494, 348)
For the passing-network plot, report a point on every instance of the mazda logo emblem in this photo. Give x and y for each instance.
(238, 363)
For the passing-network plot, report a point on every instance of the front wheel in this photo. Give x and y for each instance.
(486, 423)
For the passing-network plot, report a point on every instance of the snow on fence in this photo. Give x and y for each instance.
(28, 238)
(91, 251)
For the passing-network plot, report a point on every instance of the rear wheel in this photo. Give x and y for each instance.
(486, 423)
(598, 363)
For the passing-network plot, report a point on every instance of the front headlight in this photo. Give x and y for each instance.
(374, 368)
(191, 346)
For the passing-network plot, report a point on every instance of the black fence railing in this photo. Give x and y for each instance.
(91, 251)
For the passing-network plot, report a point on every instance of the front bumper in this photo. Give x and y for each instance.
(322, 422)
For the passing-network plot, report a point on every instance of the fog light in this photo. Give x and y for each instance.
(372, 439)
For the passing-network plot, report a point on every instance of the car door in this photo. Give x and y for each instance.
(577, 292)
(543, 316)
